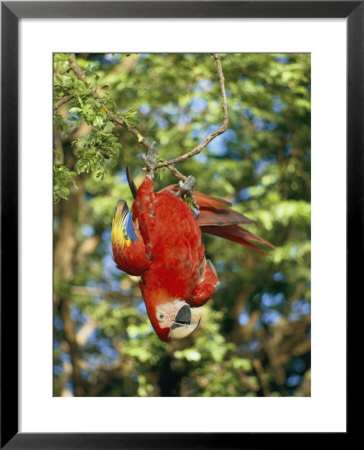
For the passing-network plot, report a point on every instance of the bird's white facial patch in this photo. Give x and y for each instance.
(166, 313)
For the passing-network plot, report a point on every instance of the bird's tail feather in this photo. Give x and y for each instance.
(237, 234)
(132, 186)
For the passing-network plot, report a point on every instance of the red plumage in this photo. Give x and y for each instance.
(173, 241)
(217, 218)
(169, 254)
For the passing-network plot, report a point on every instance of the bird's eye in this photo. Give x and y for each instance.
(160, 316)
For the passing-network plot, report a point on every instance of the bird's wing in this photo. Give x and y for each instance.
(127, 244)
(217, 218)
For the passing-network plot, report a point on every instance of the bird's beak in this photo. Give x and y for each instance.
(182, 326)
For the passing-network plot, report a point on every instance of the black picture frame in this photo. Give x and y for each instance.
(11, 12)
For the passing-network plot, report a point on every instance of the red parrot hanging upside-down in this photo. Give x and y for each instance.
(160, 241)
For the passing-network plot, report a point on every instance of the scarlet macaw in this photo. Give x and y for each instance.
(160, 241)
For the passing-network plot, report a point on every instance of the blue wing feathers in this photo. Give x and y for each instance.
(125, 221)
(129, 226)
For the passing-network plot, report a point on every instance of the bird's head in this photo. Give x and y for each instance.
(172, 319)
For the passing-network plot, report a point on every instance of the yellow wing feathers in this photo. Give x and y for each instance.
(122, 231)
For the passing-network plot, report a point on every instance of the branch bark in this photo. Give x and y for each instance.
(62, 101)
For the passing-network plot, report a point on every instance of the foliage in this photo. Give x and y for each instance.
(254, 338)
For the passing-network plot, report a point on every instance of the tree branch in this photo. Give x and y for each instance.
(118, 120)
(62, 101)
(177, 173)
(215, 133)
(142, 140)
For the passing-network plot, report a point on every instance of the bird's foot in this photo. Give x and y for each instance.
(150, 159)
(186, 187)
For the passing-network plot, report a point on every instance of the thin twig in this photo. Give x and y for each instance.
(215, 133)
(62, 101)
(177, 173)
